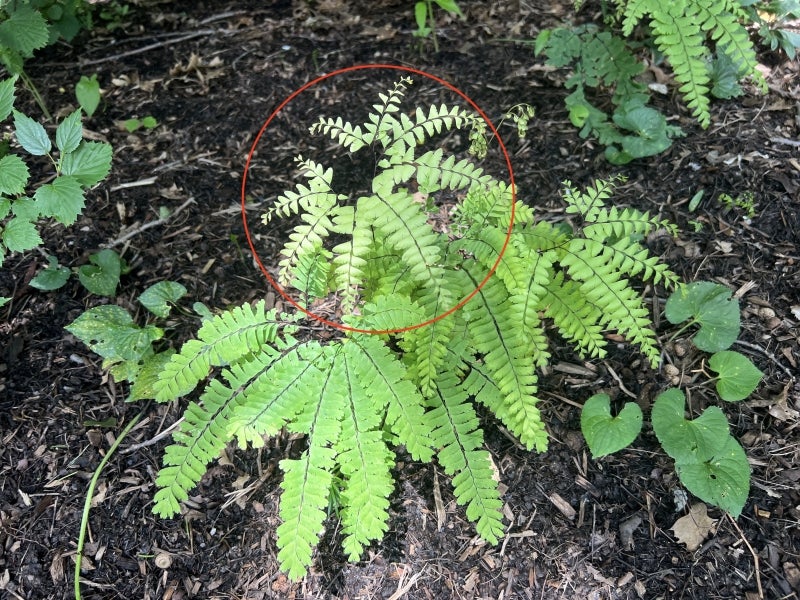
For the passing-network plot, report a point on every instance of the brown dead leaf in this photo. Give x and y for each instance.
(693, 528)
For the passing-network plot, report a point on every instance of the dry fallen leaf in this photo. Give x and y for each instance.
(693, 528)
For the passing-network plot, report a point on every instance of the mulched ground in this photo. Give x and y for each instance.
(211, 73)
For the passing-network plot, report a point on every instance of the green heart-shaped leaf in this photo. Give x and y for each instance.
(738, 376)
(606, 434)
(710, 306)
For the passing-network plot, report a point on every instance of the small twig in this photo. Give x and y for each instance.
(756, 563)
(781, 140)
(153, 440)
(402, 588)
(155, 46)
(132, 184)
(769, 355)
(134, 232)
(625, 390)
(87, 503)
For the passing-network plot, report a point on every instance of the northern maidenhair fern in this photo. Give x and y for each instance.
(393, 256)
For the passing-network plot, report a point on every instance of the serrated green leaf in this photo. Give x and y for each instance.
(25, 30)
(102, 276)
(87, 91)
(606, 434)
(89, 164)
(158, 298)
(69, 133)
(14, 175)
(7, 97)
(684, 440)
(52, 277)
(710, 306)
(5, 207)
(31, 135)
(25, 208)
(3, 299)
(722, 480)
(738, 376)
(110, 332)
(20, 235)
(62, 199)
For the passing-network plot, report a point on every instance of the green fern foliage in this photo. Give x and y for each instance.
(687, 32)
(390, 257)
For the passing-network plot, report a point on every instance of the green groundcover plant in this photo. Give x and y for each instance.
(705, 43)
(420, 237)
(709, 461)
(78, 165)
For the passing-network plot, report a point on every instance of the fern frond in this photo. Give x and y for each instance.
(605, 287)
(278, 394)
(424, 352)
(343, 133)
(455, 431)
(720, 19)
(383, 377)
(505, 352)
(222, 340)
(389, 313)
(307, 480)
(407, 133)
(576, 318)
(680, 38)
(633, 11)
(364, 461)
(317, 196)
(305, 238)
(406, 230)
(310, 275)
(306, 487)
(350, 256)
(206, 428)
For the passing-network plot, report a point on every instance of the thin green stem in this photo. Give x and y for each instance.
(87, 503)
(36, 95)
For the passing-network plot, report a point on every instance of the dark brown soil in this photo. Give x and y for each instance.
(211, 73)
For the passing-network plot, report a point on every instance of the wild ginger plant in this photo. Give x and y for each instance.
(392, 256)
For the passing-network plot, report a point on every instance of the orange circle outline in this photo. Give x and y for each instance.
(277, 287)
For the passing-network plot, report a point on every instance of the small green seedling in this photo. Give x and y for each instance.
(87, 91)
(745, 202)
(101, 276)
(147, 123)
(426, 21)
(708, 460)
